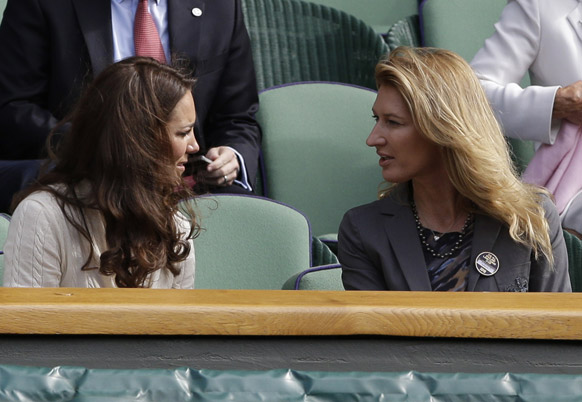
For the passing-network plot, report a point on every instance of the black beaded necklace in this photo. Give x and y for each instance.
(427, 246)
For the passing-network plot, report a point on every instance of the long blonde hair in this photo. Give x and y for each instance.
(450, 108)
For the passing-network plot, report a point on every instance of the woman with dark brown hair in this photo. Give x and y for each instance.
(107, 214)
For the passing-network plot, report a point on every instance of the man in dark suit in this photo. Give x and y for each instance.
(51, 48)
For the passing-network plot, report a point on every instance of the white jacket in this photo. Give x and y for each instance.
(543, 37)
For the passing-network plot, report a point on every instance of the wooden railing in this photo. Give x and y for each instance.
(259, 312)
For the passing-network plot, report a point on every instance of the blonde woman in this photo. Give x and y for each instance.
(457, 217)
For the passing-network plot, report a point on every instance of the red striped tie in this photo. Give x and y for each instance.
(145, 34)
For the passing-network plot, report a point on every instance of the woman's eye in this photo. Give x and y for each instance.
(394, 123)
(375, 118)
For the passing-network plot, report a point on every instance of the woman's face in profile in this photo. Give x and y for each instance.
(404, 153)
(181, 131)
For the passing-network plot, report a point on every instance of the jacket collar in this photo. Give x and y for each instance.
(185, 27)
(485, 234)
(97, 35)
(403, 236)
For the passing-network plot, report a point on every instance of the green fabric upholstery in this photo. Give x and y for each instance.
(2, 7)
(294, 40)
(462, 26)
(380, 14)
(4, 223)
(248, 242)
(405, 32)
(574, 246)
(314, 149)
(321, 253)
(317, 278)
(63, 383)
(521, 152)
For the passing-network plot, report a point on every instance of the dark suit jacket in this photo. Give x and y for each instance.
(379, 249)
(50, 48)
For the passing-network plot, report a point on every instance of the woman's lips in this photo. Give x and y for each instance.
(385, 160)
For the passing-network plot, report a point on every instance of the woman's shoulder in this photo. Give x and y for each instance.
(42, 204)
(40, 200)
(550, 209)
(370, 212)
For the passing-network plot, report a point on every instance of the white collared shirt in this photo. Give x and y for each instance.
(122, 17)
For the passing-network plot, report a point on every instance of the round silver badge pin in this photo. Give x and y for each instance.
(487, 263)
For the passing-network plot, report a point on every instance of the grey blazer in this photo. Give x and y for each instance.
(379, 249)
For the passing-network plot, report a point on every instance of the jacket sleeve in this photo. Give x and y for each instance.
(25, 120)
(358, 271)
(504, 59)
(231, 118)
(543, 277)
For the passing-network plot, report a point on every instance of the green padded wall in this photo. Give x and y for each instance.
(185, 384)
(380, 14)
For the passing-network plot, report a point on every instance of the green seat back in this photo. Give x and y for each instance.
(314, 149)
(521, 152)
(248, 242)
(322, 253)
(405, 32)
(294, 40)
(379, 14)
(2, 7)
(462, 26)
(4, 223)
(574, 247)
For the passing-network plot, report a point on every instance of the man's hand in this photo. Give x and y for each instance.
(568, 103)
(224, 167)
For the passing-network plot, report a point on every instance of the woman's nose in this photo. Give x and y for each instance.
(192, 146)
(373, 139)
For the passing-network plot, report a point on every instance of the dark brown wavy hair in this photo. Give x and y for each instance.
(118, 143)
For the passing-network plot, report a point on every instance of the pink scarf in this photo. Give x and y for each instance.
(558, 167)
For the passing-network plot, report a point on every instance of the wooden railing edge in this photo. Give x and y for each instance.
(290, 313)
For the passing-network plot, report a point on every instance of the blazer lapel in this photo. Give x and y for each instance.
(575, 19)
(185, 24)
(403, 236)
(95, 22)
(485, 234)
